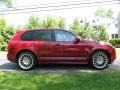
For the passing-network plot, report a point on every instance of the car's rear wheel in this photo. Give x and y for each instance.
(99, 60)
(26, 61)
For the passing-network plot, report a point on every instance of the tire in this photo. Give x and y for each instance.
(99, 60)
(26, 61)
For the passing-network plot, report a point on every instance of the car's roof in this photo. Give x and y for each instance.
(42, 29)
(26, 30)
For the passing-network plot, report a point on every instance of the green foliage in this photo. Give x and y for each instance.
(115, 42)
(88, 31)
(48, 22)
(61, 23)
(8, 3)
(33, 22)
(6, 32)
(100, 33)
(76, 26)
(101, 12)
(84, 29)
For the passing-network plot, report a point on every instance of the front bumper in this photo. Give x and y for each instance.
(113, 55)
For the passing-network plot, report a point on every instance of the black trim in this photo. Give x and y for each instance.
(53, 35)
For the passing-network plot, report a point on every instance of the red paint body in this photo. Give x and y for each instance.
(57, 52)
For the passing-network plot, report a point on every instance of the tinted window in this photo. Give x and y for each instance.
(42, 35)
(27, 35)
(64, 36)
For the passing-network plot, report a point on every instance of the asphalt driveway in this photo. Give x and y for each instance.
(5, 65)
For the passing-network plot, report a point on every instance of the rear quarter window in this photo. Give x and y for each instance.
(27, 35)
(37, 35)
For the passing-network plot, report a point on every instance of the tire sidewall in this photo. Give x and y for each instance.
(92, 64)
(33, 57)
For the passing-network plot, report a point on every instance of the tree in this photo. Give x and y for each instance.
(2, 32)
(109, 13)
(51, 22)
(48, 22)
(83, 30)
(5, 34)
(101, 34)
(101, 12)
(8, 3)
(76, 25)
(61, 23)
(33, 23)
(88, 31)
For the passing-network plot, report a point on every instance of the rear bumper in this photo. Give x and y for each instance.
(11, 57)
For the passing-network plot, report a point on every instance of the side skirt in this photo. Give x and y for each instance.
(63, 60)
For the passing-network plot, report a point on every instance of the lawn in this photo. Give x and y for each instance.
(60, 81)
(118, 51)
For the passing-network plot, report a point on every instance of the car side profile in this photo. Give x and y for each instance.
(54, 46)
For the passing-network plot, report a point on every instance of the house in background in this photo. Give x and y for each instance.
(119, 24)
(113, 29)
(112, 26)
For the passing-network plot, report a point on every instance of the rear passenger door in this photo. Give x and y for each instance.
(44, 44)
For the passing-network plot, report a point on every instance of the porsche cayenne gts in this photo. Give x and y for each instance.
(54, 46)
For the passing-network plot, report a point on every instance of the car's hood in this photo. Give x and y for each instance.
(90, 41)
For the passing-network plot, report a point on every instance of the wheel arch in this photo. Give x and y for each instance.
(25, 50)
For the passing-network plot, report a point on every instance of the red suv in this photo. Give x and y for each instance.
(53, 46)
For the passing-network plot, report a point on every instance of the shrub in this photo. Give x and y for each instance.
(115, 42)
(88, 31)
(6, 32)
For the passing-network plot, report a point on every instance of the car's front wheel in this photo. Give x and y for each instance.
(99, 60)
(26, 61)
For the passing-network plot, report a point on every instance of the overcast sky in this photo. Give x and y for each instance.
(69, 14)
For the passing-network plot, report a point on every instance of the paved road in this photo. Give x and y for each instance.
(5, 65)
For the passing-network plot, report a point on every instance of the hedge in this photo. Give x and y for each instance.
(115, 42)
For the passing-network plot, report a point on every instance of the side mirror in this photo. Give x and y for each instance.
(77, 40)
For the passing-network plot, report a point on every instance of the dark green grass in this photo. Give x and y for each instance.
(60, 81)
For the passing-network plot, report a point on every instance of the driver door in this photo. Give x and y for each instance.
(66, 48)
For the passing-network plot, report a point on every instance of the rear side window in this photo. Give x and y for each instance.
(27, 35)
(37, 35)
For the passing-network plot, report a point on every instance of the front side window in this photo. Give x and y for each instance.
(64, 36)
